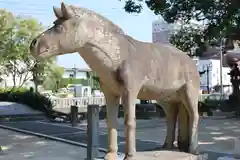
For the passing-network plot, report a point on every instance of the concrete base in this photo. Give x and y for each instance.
(164, 155)
(1, 151)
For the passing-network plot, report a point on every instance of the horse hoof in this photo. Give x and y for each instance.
(167, 146)
(128, 157)
(111, 156)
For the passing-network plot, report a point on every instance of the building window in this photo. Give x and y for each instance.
(225, 77)
(85, 92)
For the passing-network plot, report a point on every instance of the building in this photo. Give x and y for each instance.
(211, 77)
(84, 75)
(161, 31)
(78, 73)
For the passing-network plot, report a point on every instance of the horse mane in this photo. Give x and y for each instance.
(86, 13)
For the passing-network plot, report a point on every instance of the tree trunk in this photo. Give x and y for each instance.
(36, 87)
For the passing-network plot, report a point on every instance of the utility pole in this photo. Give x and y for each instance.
(72, 76)
(208, 88)
(207, 70)
(221, 65)
(75, 76)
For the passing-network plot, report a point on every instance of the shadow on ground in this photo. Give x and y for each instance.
(21, 147)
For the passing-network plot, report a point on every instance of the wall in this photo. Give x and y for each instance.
(8, 79)
(214, 73)
(79, 74)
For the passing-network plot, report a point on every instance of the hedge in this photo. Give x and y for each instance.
(65, 81)
(15, 89)
(25, 96)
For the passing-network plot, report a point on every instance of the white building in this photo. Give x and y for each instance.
(213, 77)
(21, 80)
(76, 73)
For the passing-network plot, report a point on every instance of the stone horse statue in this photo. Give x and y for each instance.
(128, 69)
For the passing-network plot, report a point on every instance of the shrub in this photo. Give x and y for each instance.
(15, 89)
(31, 99)
(65, 81)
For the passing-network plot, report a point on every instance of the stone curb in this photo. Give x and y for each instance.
(14, 119)
(50, 137)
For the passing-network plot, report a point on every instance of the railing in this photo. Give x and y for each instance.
(202, 97)
(84, 101)
(78, 101)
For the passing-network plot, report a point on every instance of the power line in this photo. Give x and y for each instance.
(38, 10)
(32, 10)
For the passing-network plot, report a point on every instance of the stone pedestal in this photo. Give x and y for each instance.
(166, 155)
(163, 155)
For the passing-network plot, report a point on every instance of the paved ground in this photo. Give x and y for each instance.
(11, 108)
(21, 147)
(216, 136)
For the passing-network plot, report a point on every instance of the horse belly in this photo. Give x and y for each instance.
(159, 91)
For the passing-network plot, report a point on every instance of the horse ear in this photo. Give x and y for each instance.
(66, 13)
(57, 12)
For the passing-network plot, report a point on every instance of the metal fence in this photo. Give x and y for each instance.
(78, 101)
(84, 101)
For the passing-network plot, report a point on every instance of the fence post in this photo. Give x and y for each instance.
(74, 115)
(92, 131)
(1, 151)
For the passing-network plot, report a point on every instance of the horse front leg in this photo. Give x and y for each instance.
(129, 102)
(112, 105)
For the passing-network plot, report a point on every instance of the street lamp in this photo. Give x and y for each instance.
(57, 85)
(193, 50)
(221, 64)
(207, 68)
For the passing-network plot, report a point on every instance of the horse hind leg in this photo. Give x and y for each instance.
(190, 101)
(183, 129)
(171, 111)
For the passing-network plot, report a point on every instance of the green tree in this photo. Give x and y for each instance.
(38, 74)
(96, 82)
(6, 30)
(52, 75)
(16, 33)
(221, 18)
(188, 39)
(16, 61)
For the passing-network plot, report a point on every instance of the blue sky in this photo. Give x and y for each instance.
(138, 26)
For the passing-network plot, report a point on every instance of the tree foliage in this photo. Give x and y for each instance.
(188, 39)
(54, 74)
(220, 18)
(16, 33)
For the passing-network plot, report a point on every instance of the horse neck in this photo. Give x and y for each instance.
(102, 48)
